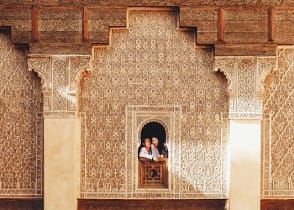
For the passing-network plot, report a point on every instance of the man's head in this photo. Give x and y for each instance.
(155, 141)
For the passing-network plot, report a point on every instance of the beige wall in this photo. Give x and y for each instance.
(61, 163)
(244, 146)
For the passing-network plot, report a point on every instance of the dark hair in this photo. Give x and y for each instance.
(143, 141)
(143, 144)
(162, 148)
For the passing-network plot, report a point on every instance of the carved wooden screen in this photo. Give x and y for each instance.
(153, 174)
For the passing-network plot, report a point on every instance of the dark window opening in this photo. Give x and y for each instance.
(153, 155)
(155, 129)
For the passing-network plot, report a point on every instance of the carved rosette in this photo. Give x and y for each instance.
(245, 75)
(60, 75)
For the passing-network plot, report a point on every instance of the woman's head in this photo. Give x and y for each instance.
(147, 142)
(155, 141)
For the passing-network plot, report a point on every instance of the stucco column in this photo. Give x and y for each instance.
(60, 76)
(61, 162)
(245, 75)
(244, 147)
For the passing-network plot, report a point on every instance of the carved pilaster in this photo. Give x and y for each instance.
(227, 66)
(60, 76)
(245, 75)
(265, 65)
(41, 64)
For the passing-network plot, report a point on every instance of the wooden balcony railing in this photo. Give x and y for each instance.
(153, 174)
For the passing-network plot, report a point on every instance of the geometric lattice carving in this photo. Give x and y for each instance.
(21, 125)
(151, 174)
(153, 65)
(278, 128)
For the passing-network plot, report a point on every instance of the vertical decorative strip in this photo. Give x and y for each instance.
(60, 81)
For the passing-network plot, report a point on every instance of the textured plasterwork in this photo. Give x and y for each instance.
(21, 125)
(245, 75)
(152, 69)
(278, 129)
(60, 76)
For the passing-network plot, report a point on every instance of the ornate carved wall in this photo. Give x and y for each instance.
(278, 128)
(152, 66)
(21, 125)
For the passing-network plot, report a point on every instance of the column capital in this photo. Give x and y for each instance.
(60, 75)
(246, 76)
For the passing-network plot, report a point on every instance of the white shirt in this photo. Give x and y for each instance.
(144, 153)
(154, 150)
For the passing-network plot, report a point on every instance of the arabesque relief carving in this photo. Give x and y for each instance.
(60, 76)
(278, 128)
(151, 70)
(21, 125)
(148, 69)
(245, 75)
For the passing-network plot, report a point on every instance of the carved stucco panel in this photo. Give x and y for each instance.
(265, 66)
(245, 75)
(21, 126)
(60, 76)
(153, 65)
(278, 132)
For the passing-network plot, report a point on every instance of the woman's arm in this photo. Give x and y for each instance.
(143, 153)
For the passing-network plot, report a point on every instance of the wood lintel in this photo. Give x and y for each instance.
(35, 31)
(220, 30)
(271, 24)
(86, 24)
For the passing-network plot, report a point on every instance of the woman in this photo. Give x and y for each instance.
(145, 150)
(159, 150)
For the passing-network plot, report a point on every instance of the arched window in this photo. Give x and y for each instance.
(154, 130)
(153, 154)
